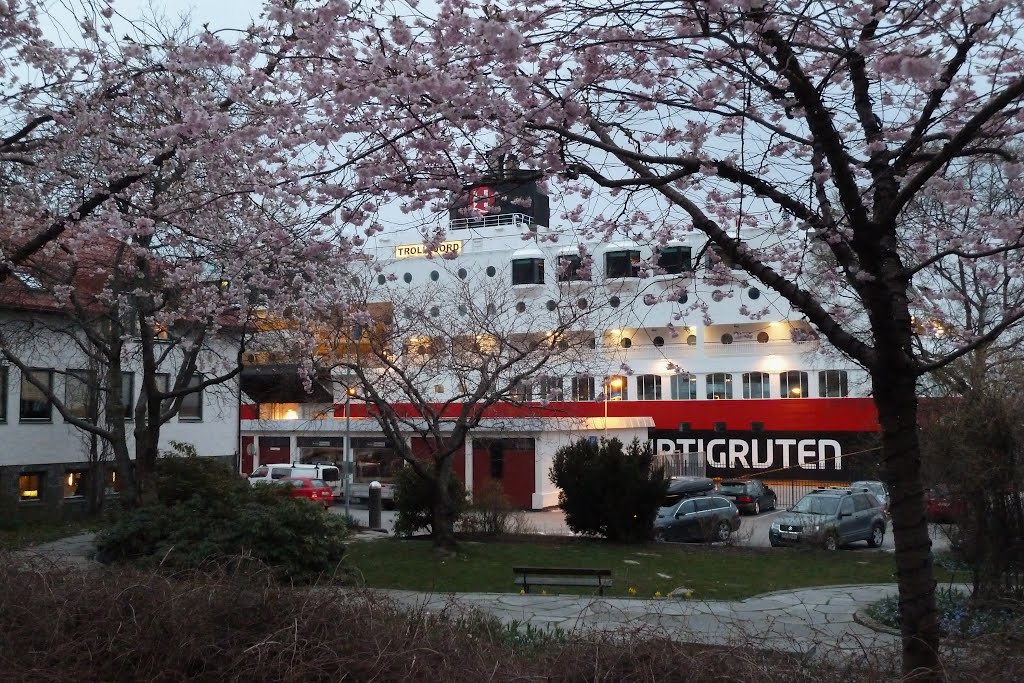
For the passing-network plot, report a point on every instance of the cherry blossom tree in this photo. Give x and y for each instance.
(766, 126)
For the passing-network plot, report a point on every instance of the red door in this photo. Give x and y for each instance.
(510, 462)
(248, 452)
(275, 449)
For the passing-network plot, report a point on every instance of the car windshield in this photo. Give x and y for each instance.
(817, 505)
(669, 507)
(318, 483)
(873, 486)
(732, 487)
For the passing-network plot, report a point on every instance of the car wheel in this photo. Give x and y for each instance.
(757, 507)
(724, 531)
(831, 542)
(877, 536)
(775, 502)
(774, 544)
(659, 535)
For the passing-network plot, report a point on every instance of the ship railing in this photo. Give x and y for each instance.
(752, 346)
(499, 220)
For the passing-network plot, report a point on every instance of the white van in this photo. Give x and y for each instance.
(331, 475)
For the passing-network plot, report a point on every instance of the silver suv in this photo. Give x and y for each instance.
(831, 518)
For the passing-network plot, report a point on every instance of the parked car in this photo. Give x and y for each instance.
(697, 518)
(831, 518)
(683, 487)
(270, 474)
(942, 506)
(307, 487)
(749, 495)
(878, 488)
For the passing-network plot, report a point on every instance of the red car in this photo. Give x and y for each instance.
(307, 487)
(944, 507)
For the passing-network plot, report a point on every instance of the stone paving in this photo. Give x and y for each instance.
(807, 621)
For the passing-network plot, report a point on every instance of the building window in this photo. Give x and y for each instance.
(648, 387)
(756, 385)
(497, 455)
(616, 388)
(407, 277)
(35, 406)
(75, 484)
(521, 391)
(549, 388)
(793, 384)
(527, 271)
(683, 387)
(833, 384)
(3, 393)
(128, 394)
(80, 393)
(569, 268)
(192, 403)
(622, 264)
(583, 388)
(491, 271)
(30, 486)
(163, 385)
(674, 260)
(719, 385)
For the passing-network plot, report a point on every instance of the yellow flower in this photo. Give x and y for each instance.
(657, 594)
(632, 590)
(543, 592)
(522, 591)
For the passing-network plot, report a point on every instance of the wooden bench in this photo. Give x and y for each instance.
(563, 576)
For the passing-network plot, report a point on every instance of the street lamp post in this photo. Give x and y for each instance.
(613, 383)
(349, 393)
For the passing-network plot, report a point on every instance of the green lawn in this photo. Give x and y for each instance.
(713, 573)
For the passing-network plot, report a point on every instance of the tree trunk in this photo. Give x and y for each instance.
(146, 455)
(896, 398)
(442, 526)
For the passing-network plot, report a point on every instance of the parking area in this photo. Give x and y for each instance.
(753, 529)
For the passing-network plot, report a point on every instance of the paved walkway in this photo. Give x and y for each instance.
(811, 620)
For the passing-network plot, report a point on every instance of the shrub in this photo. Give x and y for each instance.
(491, 513)
(206, 518)
(607, 491)
(414, 501)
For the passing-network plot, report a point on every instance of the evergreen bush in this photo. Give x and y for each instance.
(609, 491)
(414, 501)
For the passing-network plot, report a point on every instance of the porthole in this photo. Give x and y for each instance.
(754, 293)
(434, 311)
(582, 303)
(551, 305)
(727, 338)
(462, 309)
(408, 312)
(691, 340)
(381, 279)
(462, 273)
(625, 342)
(407, 277)
(563, 345)
(491, 270)
(659, 341)
(434, 275)
(762, 337)
(356, 281)
(521, 307)
(614, 301)
(491, 309)
(683, 298)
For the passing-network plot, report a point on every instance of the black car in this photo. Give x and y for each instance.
(696, 518)
(749, 495)
(831, 518)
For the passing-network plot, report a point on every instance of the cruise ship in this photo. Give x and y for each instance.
(653, 341)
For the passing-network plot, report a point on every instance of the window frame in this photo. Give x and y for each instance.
(676, 385)
(622, 393)
(764, 381)
(21, 400)
(4, 374)
(87, 378)
(685, 260)
(534, 271)
(570, 273)
(629, 269)
(786, 384)
(588, 382)
(825, 385)
(39, 489)
(82, 484)
(128, 385)
(521, 391)
(546, 384)
(197, 396)
(726, 384)
(643, 392)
